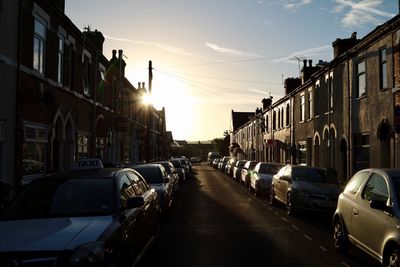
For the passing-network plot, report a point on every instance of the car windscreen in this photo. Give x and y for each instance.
(269, 169)
(151, 175)
(176, 163)
(314, 175)
(63, 198)
(241, 164)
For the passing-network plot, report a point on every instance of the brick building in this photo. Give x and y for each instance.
(63, 99)
(343, 114)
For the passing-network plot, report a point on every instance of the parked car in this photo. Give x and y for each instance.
(305, 187)
(172, 174)
(237, 170)
(185, 165)
(211, 157)
(261, 177)
(368, 215)
(91, 217)
(222, 163)
(157, 178)
(179, 168)
(229, 167)
(195, 159)
(215, 163)
(245, 172)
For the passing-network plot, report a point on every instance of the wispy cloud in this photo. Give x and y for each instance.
(294, 5)
(230, 51)
(362, 12)
(165, 47)
(305, 54)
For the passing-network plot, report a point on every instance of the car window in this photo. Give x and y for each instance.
(136, 184)
(151, 175)
(314, 175)
(126, 191)
(355, 182)
(376, 189)
(63, 198)
(268, 169)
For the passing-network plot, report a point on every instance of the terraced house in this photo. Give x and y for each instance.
(62, 99)
(343, 114)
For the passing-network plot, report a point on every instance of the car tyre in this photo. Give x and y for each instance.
(290, 205)
(272, 200)
(341, 242)
(392, 257)
(256, 191)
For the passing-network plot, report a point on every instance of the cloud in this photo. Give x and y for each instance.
(305, 54)
(361, 12)
(229, 51)
(165, 47)
(294, 5)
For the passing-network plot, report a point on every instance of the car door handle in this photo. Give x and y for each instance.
(356, 212)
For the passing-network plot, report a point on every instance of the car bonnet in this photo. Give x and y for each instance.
(51, 234)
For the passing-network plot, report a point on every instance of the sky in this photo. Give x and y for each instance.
(214, 56)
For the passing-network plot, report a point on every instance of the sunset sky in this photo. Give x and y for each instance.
(214, 56)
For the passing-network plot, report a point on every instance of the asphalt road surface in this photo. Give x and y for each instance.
(214, 221)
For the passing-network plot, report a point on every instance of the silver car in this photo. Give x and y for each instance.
(261, 177)
(306, 188)
(368, 215)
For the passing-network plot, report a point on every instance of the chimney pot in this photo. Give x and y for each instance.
(310, 62)
(138, 84)
(304, 63)
(114, 52)
(120, 53)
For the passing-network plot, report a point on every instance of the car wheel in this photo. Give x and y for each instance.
(339, 236)
(290, 205)
(272, 200)
(256, 191)
(392, 258)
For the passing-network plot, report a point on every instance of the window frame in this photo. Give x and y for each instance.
(302, 107)
(383, 71)
(363, 75)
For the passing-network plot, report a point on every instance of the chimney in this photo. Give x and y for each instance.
(122, 63)
(267, 102)
(310, 62)
(96, 38)
(114, 53)
(340, 46)
(308, 71)
(291, 84)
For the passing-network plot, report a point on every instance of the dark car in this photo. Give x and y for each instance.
(101, 217)
(179, 168)
(157, 178)
(172, 174)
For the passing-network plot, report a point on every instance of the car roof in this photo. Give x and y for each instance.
(146, 166)
(87, 174)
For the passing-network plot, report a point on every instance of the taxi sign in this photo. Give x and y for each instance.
(88, 164)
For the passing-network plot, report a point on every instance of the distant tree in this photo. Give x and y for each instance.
(222, 145)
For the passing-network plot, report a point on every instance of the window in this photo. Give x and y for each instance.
(39, 41)
(287, 114)
(317, 97)
(376, 189)
(274, 120)
(310, 104)
(361, 152)
(302, 107)
(303, 153)
(331, 91)
(383, 83)
(267, 123)
(86, 75)
(282, 118)
(83, 146)
(361, 79)
(34, 150)
(279, 118)
(60, 68)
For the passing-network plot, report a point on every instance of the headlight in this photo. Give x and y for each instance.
(90, 254)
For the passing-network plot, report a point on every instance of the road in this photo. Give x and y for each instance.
(215, 221)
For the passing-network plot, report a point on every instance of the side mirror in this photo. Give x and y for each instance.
(380, 205)
(134, 202)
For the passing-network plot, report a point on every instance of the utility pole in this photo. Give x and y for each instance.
(149, 121)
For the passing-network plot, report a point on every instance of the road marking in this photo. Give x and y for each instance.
(276, 213)
(324, 249)
(284, 219)
(345, 264)
(308, 237)
(264, 204)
